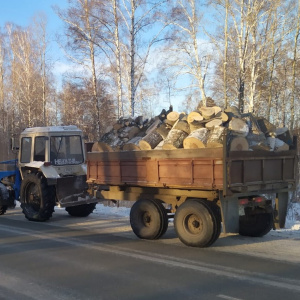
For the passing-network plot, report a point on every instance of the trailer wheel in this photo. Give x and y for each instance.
(83, 210)
(195, 224)
(216, 217)
(148, 219)
(255, 225)
(37, 198)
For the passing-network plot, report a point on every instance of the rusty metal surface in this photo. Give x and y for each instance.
(261, 170)
(199, 173)
(202, 169)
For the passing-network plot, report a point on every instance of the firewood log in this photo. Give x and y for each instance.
(285, 135)
(232, 112)
(213, 123)
(153, 126)
(217, 109)
(101, 147)
(265, 126)
(159, 146)
(163, 130)
(172, 117)
(196, 139)
(207, 112)
(257, 141)
(196, 125)
(238, 127)
(132, 145)
(280, 145)
(194, 116)
(271, 142)
(182, 125)
(215, 137)
(239, 143)
(174, 139)
(150, 141)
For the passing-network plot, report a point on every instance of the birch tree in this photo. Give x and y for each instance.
(294, 64)
(81, 31)
(189, 56)
(139, 17)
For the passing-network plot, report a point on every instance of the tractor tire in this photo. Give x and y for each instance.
(3, 209)
(4, 197)
(148, 219)
(37, 198)
(83, 210)
(255, 225)
(196, 224)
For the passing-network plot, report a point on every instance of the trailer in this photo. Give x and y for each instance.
(243, 192)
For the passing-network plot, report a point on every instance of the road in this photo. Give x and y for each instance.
(100, 258)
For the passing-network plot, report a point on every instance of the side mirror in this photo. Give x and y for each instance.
(13, 144)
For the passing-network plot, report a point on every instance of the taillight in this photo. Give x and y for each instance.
(47, 163)
(259, 199)
(243, 201)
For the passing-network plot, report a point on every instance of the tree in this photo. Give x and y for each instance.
(185, 40)
(81, 32)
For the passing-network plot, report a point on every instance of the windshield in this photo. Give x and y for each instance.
(66, 150)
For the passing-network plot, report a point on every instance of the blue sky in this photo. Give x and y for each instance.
(21, 12)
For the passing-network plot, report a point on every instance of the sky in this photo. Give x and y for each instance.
(21, 12)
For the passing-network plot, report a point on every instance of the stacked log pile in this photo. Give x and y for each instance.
(204, 128)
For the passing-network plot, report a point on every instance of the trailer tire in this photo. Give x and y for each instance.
(255, 225)
(195, 224)
(148, 219)
(37, 198)
(83, 210)
(216, 216)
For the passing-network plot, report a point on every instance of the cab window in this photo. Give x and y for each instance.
(39, 148)
(25, 149)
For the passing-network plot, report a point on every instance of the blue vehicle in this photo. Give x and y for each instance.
(50, 171)
(10, 183)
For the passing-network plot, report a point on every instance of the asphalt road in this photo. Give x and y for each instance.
(100, 258)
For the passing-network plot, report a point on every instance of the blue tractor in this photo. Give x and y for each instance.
(10, 183)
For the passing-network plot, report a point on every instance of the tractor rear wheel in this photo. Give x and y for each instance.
(37, 198)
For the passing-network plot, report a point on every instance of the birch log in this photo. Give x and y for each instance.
(215, 137)
(174, 139)
(239, 143)
(150, 141)
(213, 123)
(238, 127)
(196, 139)
(207, 112)
(101, 147)
(133, 144)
